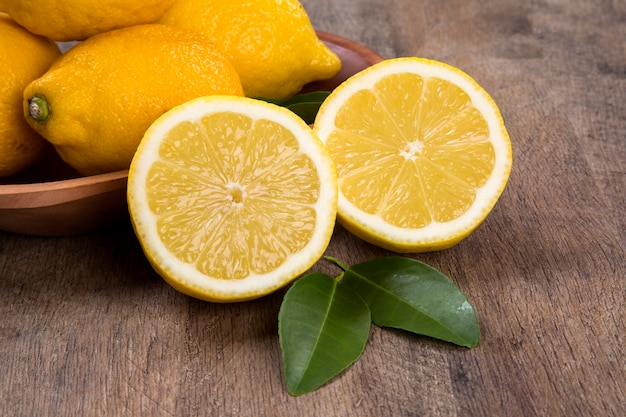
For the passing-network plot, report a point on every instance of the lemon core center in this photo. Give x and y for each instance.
(236, 193)
(412, 150)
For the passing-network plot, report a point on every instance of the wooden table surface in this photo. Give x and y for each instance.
(88, 329)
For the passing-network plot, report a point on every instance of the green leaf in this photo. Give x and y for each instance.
(304, 105)
(407, 294)
(322, 327)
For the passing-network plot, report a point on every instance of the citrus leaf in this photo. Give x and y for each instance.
(322, 327)
(410, 295)
(304, 105)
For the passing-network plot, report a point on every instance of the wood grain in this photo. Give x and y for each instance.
(87, 327)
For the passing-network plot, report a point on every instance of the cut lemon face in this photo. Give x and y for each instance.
(421, 152)
(231, 198)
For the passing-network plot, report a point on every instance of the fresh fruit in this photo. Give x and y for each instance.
(231, 198)
(70, 20)
(23, 57)
(97, 100)
(271, 43)
(421, 151)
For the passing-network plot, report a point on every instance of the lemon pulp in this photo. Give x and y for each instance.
(243, 216)
(420, 144)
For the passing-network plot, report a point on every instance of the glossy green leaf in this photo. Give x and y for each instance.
(322, 327)
(408, 294)
(304, 105)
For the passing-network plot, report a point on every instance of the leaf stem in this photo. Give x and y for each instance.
(337, 262)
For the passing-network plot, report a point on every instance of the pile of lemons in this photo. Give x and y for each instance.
(232, 197)
(135, 61)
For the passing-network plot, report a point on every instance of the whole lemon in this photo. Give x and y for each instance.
(23, 57)
(96, 101)
(271, 43)
(70, 20)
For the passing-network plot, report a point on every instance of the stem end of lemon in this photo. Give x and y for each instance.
(38, 108)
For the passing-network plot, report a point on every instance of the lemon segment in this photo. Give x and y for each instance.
(421, 151)
(231, 198)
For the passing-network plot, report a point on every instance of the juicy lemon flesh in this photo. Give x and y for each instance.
(421, 152)
(421, 144)
(248, 214)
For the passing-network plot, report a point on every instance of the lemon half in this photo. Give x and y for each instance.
(421, 152)
(231, 198)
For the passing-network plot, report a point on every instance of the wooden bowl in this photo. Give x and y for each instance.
(51, 199)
